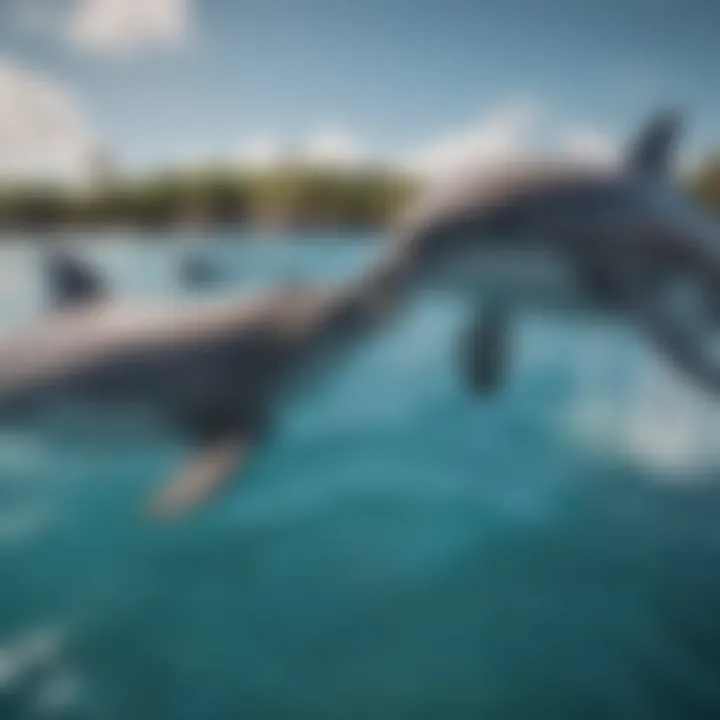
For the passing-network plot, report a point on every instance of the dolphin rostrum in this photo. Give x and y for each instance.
(562, 234)
(215, 370)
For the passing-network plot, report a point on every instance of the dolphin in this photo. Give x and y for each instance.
(214, 371)
(562, 235)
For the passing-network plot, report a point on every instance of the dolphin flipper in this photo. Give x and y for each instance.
(484, 349)
(72, 282)
(206, 473)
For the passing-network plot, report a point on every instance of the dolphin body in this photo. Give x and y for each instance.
(559, 235)
(214, 371)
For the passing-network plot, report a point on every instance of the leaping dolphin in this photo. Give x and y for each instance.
(541, 233)
(216, 371)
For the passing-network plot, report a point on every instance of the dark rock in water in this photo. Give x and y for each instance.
(71, 282)
(197, 271)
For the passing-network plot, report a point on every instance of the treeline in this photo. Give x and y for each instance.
(292, 196)
(295, 197)
(705, 183)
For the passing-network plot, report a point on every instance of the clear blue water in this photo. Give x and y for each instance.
(400, 550)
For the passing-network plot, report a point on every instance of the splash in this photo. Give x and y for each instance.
(32, 668)
(645, 414)
(36, 649)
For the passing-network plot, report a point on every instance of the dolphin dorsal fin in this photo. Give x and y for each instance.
(72, 283)
(653, 150)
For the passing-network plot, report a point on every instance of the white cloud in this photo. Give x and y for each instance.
(261, 151)
(329, 146)
(508, 131)
(118, 27)
(588, 143)
(334, 147)
(122, 26)
(43, 131)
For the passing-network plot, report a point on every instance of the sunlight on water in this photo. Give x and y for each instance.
(33, 665)
(649, 415)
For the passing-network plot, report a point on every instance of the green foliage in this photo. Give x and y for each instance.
(290, 196)
(705, 183)
(293, 196)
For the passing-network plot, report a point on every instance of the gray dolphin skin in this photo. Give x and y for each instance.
(549, 235)
(215, 370)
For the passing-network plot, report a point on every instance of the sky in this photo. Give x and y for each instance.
(426, 84)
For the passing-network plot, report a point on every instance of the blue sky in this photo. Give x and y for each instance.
(390, 78)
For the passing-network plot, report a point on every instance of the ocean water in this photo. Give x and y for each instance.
(400, 550)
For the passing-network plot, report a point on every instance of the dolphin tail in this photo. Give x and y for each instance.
(653, 149)
(72, 282)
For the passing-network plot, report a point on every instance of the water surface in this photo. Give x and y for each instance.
(401, 550)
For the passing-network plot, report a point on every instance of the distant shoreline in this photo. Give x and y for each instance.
(242, 232)
(298, 201)
(215, 200)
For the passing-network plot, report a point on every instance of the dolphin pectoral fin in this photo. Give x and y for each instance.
(202, 477)
(484, 349)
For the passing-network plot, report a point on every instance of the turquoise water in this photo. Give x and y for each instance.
(401, 550)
